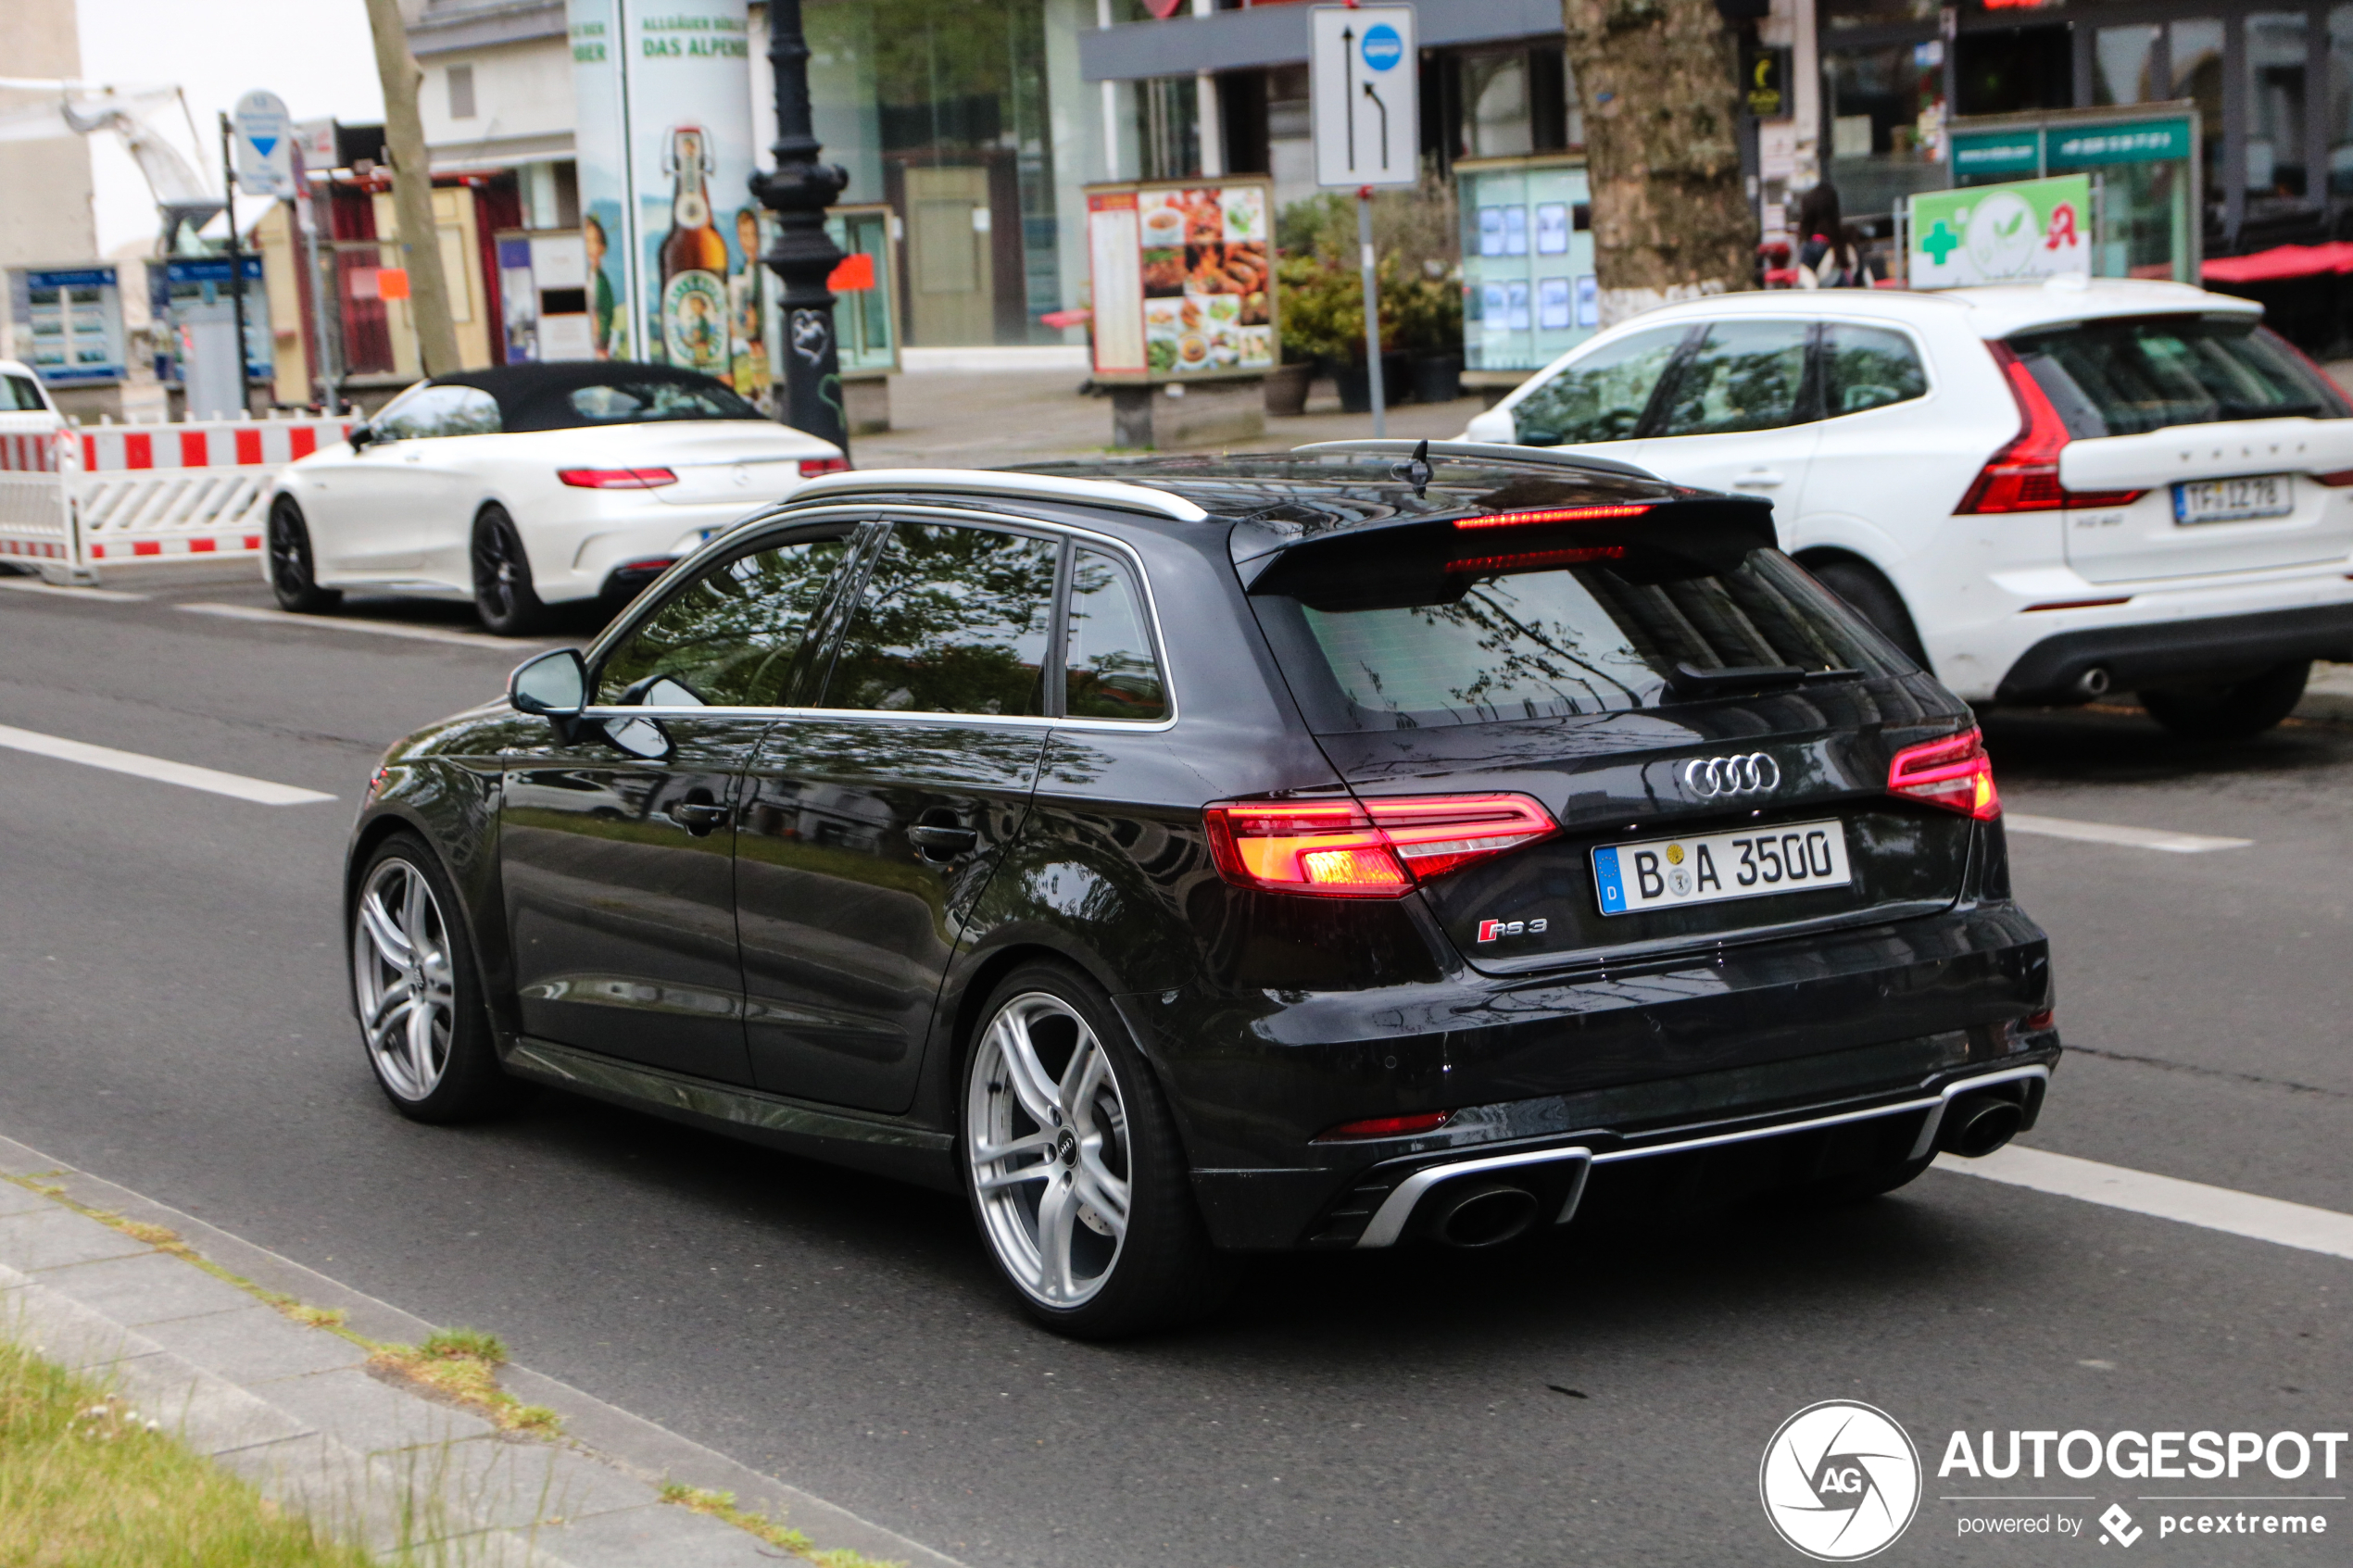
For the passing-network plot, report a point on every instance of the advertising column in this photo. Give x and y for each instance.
(665, 149)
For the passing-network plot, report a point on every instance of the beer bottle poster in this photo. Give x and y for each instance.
(685, 153)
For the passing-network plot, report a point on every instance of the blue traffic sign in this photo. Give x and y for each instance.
(1383, 48)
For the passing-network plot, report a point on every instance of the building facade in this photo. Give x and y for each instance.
(45, 213)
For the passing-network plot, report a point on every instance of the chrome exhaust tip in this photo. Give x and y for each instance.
(1978, 1125)
(1482, 1214)
(2093, 684)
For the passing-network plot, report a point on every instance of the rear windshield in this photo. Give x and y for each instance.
(2126, 377)
(1383, 643)
(623, 402)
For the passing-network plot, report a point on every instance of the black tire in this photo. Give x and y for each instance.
(504, 598)
(2232, 711)
(1160, 1269)
(1874, 599)
(458, 1078)
(293, 576)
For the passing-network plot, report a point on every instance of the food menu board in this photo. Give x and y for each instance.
(1183, 279)
(1528, 290)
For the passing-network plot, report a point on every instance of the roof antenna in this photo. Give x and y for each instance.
(1416, 471)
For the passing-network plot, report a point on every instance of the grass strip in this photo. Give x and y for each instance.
(775, 1532)
(457, 1364)
(86, 1482)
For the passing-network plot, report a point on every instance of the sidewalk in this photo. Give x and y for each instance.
(298, 1411)
(992, 418)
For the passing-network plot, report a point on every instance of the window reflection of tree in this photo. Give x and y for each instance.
(953, 620)
(731, 636)
(1111, 673)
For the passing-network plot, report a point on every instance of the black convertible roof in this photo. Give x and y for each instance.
(534, 397)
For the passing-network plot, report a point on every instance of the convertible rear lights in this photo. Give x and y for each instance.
(1531, 561)
(2024, 476)
(1953, 772)
(2336, 479)
(617, 479)
(812, 467)
(1387, 1126)
(1551, 514)
(1375, 848)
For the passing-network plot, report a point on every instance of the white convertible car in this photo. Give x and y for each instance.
(528, 486)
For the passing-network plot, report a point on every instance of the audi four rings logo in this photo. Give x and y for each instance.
(1752, 774)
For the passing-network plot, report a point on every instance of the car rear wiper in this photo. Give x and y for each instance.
(1749, 677)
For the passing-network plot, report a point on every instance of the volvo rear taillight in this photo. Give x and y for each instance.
(617, 479)
(1375, 848)
(1953, 772)
(2024, 475)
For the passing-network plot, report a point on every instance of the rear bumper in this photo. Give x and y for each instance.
(2152, 654)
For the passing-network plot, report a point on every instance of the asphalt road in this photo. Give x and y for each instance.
(173, 1017)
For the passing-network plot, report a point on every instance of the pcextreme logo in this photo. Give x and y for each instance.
(1840, 1481)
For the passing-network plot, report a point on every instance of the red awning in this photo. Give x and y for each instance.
(2281, 263)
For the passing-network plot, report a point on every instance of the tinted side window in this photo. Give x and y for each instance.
(1868, 367)
(951, 620)
(1746, 375)
(1602, 396)
(1110, 671)
(21, 396)
(438, 410)
(731, 636)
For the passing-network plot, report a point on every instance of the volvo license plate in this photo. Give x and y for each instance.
(1709, 866)
(2234, 500)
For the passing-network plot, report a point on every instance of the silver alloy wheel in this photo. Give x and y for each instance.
(1045, 1134)
(404, 980)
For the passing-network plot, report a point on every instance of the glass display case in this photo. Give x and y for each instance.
(1529, 291)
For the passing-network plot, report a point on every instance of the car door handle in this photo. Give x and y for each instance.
(942, 841)
(699, 817)
(1757, 479)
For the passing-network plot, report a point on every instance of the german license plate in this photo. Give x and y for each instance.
(2234, 500)
(1710, 867)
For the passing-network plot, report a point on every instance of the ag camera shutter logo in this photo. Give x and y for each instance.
(1840, 1481)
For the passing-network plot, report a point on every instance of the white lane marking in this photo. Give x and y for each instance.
(259, 790)
(35, 586)
(521, 650)
(2167, 1198)
(2111, 833)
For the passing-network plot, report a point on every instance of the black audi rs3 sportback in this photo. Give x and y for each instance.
(1344, 848)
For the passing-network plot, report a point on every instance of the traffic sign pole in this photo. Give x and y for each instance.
(1372, 311)
(236, 263)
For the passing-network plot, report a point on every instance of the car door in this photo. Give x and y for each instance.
(1741, 413)
(874, 818)
(403, 500)
(617, 843)
(1884, 456)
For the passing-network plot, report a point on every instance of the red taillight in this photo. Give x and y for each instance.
(2337, 479)
(1953, 772)
(617, 479)
(1388, 1126)
(1375, 848)
(1551, 514)
(1531, 561)
(2024, 476)
(812, 467)
(2035, 1023)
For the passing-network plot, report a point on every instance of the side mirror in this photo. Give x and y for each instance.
(554, 686)
(360, 435)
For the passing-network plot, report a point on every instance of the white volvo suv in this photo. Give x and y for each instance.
(2044, 492)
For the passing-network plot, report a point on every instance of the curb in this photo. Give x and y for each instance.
(292, 1409)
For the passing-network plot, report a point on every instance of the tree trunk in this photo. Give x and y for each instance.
(420, 243)
(1660, 83)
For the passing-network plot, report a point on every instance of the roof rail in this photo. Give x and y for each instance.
(1000, 482)
(1494, 452)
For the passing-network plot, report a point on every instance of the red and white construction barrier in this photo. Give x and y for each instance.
(72, 501)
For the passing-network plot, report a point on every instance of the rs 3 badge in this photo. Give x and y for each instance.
(1489, 930)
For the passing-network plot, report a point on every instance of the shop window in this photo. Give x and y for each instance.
(461, 92)
(2015, 70)
(1496, 119)
(1843, 14)
(1883, 101)
(2340, 109)
(2275, 58)
(1167, 127)
(2196, 48)
(2124, 67)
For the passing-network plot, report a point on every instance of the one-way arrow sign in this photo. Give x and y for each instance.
(1364, 85)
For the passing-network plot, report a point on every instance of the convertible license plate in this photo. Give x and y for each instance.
(1710, 867)
(2234, 500)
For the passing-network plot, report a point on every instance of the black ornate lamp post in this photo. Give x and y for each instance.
(799, 191)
